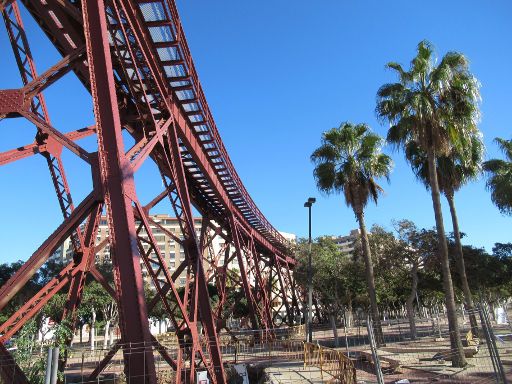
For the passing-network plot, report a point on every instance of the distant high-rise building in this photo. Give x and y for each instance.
(166, 231)
(347, 243)
(165, 234)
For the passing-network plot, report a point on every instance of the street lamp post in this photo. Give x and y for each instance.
(309, 337)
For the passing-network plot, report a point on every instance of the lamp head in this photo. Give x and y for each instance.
(310, 202)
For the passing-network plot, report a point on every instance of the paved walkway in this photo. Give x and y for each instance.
(294, 372)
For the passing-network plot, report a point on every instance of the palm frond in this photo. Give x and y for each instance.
(505, 146)
(403, 75)
(496, 166)
(500, 177)
(374, 190)
(435, 111)
(399, 134)
(325, 176)
(418, 161)
(421, 65)
(348, 160)
(370, 143)
(382, 166)
(500, 186)
(326, 152)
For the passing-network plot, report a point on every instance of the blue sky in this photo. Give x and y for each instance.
(276, 75)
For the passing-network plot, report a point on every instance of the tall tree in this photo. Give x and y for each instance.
(500, 177)
(502, 250)
(454, 170)
(348, 160)
(338, 279)
(415, 248)
(435, 106)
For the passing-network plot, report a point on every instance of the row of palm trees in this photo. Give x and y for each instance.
(433, 113)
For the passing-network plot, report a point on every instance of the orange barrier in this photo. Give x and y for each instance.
(331, 361)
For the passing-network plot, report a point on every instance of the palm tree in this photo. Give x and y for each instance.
(348, 161)
(453, 171)
(500, 177)
(435, 106)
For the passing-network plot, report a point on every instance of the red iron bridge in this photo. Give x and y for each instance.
(133, 59)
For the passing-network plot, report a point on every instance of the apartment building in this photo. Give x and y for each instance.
(170, 249)
(347, 243)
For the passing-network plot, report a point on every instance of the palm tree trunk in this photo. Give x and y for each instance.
(458, 358)
(370, 279)
(468, 297)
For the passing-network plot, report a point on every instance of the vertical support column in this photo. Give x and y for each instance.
(269, 288)
(221, 279)
(78, 280)
(119, 190)
(283, 288)
(267, 311)
(199, 301)
(235, 235)
(293, 289)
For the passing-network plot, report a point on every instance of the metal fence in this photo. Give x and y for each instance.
(333, 356)
(427, 357)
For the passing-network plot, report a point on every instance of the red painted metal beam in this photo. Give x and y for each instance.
(254, 311)
(23, 275)
(52, 150)
(119, 191)
(10, 372)
(63, 45)
(31, 307)
(37, 148)
(104, 362)
(193, 172)
(88, 257)
(180, 198)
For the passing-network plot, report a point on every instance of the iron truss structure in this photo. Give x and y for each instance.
(132, 57)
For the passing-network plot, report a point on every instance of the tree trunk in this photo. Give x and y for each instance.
(92, 330)
(349, 314)
(458, 358)
(492, 311)
(334, 330)
(370, 279)
(409, 305)
(105, 336)
(468, 297)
